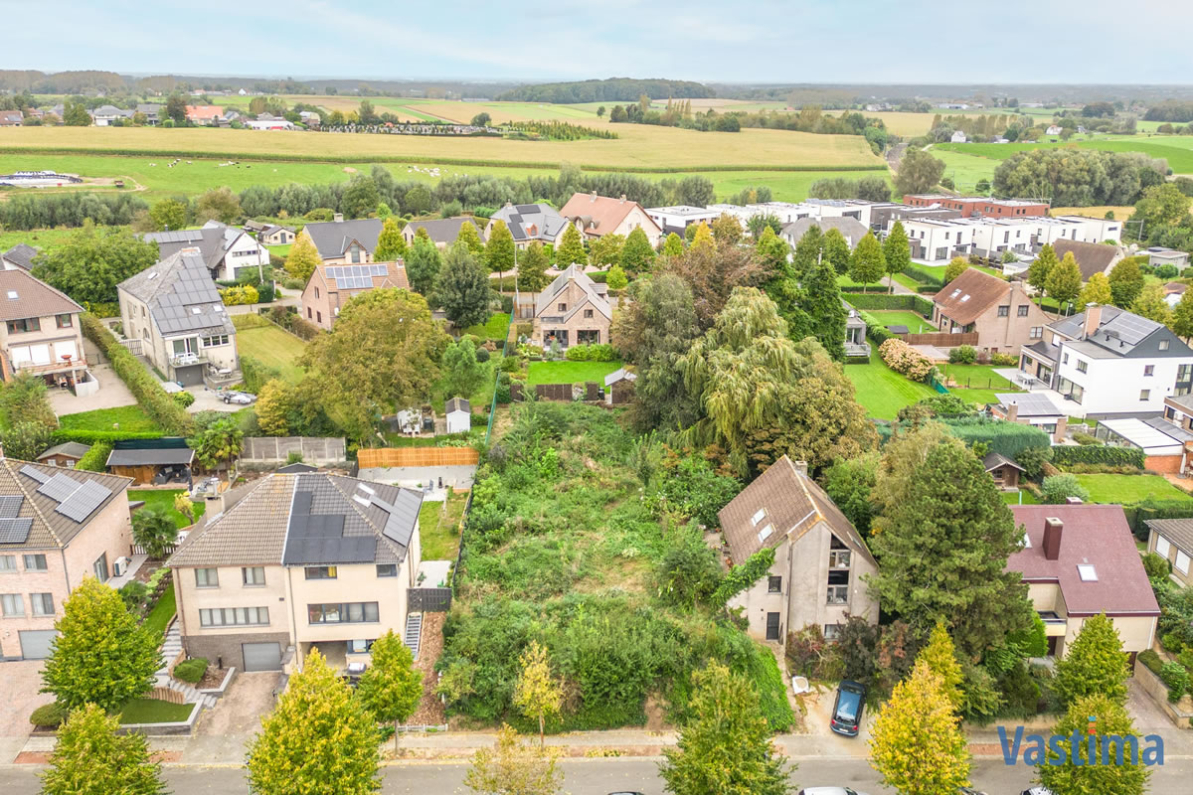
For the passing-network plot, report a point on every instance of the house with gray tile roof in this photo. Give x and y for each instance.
(57, 526)
(341, 242)
(19, 256)
(572, 310)
(530, 222)
(295, 562)
(442, 231)
(174, 310)
(229, 252)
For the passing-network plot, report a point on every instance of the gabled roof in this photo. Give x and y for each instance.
(620, 374)
(853, 229)
(333, 238)
(456, 404)
(791, 504)
(1091, 257)
(996, 460)
(531, 221)
(599, 214)
(29, 507)
(1119, 333)
(971, 295)
(1094, 535)
(546, 299)
(21, 255)
(444, 230)
(214, 241)
(364, 277)
(180, 295)
(22, 295)
(69, 449)
(1178, 531)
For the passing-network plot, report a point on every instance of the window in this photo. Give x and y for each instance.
(561, 307)
(24, 325)
(207, 578)
(355, 254)
(1163, 345)
(320, 572)
(42, 603)
(253, 575)
(318, 317)
(8, 564)
(1065, 359)
(1145, 394)
(309, 313)
(1182, 562)
(1149, 370)
(832, 632)
(1004, 311)
(1087, 572)
(233, 616)
(64, 321)
(35, 563)
(774, 584)
(1184, 372)
(1082, 366)
(1023, 310)
(100, 567)
(12, 605)
(587, 313)
(360, 646)
(1162, 546)
(1037, 332)
(387, 570)
(316, 292)
(839, 559)
(758, 517)
(350, 613)
(216, 341)
(838, 594)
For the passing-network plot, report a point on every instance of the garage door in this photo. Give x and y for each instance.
(35, 644)
(189, 376)
(262, 656)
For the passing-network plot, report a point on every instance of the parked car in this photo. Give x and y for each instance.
(829, 791)
(1037, 791)
(848, 707)
(239, 398)
(970, 791)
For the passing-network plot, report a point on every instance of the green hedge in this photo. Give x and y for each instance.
(1089, 454)
(1142, 512)
(191, 670)
(902, 302)
(84, 436)
(1006, 438)
(96, 459)
(876, 332)
(148, 391)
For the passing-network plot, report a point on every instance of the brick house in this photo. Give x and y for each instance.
(1002, 313)
(597, 215)
(979, 206)
(332, 286)
(573, 310)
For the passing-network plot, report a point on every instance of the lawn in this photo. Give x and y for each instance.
(126, 418)
(164, 498)
(1022, 497)
(1127, 489)
(273, 347)
(45, 239)
(150, 710)
(976, 376)
(883, 391)
(439, 527)
(914, 321)
(496, 329)
(159, 617)
(569, 372)
(280, 251)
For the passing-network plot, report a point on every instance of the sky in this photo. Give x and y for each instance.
(729, 41)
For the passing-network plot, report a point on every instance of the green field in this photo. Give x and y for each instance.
(569, 372)
(1127, 489)
(273, 347)
(882, 391)
(164, 499)
(1176, 149)
(126, 418)
(976, 376)
(915, 322)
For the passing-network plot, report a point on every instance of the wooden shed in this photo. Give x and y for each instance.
(152, 462)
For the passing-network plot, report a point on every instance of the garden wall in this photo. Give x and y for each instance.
(277, 449)
(1158, 691)
(372, 457)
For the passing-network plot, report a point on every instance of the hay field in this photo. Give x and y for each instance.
(1120, 213)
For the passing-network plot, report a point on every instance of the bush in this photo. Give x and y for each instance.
(1110, 456)
(242, 294)
(1032, 459)
(102, 309)
(602, 352)
(191, 670)
(963, 354)
(134, 594)
(1058, 488)
(1172, 643)
(511, 364)
(1004, 360)
(49, 716)
(183, 399)
(906, 360)
(875, 330)
(1005, 438)
(482, 355)
(1085, 438)
(1151, 660)
(577, 353)
(96, 459)
(908, 303)
(1156, 565)
(1176, 677)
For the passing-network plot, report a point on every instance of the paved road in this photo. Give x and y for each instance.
(601, 776)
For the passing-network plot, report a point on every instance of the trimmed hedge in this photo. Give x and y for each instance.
(1140, 513)
(49, 716)
(84, 436)
(148, 391)
(1107, 456)
(1005, 438)
(901, 302)
(96, 459)
(192, 670)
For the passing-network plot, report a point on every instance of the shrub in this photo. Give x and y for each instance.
(191, 670)
(1005, 438)
(96, 459)
(183, 399)
(1172, 643)
(1156, 565)
(482, 355)
(804, 650)
(1059, 488)
(49, 716)
(963, 354)
(875, 330)
(134, 594)
(1111, 456)
(601, 352)
(577, 353)
(1176, 677)
(1085, 438)
(523, 329)
(1151, 660)
(511, 364)
(906, 360)
(1004, 360)
(1032, 459)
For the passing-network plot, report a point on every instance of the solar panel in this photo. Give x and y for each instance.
(59, 488)
(36, 474)
(15, 531)
(83, 502)
(10, 506)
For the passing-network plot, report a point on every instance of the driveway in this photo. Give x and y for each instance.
(112, 394)
(21, 680)
(209, 400)
(239, 711)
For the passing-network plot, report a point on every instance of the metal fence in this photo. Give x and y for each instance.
(430, 600)
(277, 449)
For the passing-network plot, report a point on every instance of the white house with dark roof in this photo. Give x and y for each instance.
(290, 563)
(227, 251)
(174, 310)
(341, 242)
(572, 310)
(530, 222)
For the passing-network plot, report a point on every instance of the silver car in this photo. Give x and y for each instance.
(829, 791)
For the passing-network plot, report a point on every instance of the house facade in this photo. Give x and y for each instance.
(676, 219)
(332, 286)
(341, 242)
(41, 334)
(1158, 256)
(572, 311)
(1000, 312)
(1172, 539)
(57, 526)
(981, 206)
(295, 562)
(276, 236)
(227, 251)
(596, 216)
(821, 561)
(175, 311)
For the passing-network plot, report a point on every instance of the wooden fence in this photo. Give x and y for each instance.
(941, 339)
(166, 694)
(371, 457)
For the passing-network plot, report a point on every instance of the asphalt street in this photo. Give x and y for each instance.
(601, 776)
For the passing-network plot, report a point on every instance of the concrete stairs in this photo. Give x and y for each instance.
(414, 633)
(171, 648)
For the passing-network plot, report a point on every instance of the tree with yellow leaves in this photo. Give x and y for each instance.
(538, 694)
(941, 656)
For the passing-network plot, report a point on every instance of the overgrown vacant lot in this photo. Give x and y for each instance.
(565, 547)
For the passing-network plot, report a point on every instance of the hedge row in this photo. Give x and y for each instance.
(96, 459)
(1098, 454)
(929, 279)
(876, 332)
(148, 391)
(1006, 438)
(91, 437)
(1140, 513)
(902, 302)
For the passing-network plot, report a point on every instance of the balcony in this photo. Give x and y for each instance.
(1054, 625)
(188, 359)
(60, 366)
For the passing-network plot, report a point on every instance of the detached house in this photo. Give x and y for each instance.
(175, 311)
(821, 561)
(596, 216)
(332, 286)
(530, 222)
(999, 312)
(852, 229)
(341, 242)
(1091, 257)
(57, 526)
(572, 310)
(1172, 539)
(442, 231)
(19, 256)
(227, 251)
(41, 334)
(294, 562)
(275, 235)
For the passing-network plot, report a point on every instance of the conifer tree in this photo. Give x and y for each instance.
(1094, 664)
(571, 249)
(673, 246)
(836, 251)
(532, 268)
(498, 253)
(637, 255)
(1089, 773)
(391, 246)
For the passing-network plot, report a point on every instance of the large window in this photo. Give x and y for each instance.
(1182, 562)
(387, 570)
(35, 563)
(8, 564)
(253, 575)
(24, 325)
(320, 572)
(43, 603)
(216, 341)
(233, 616)
(349, 613)
(12, 605)
(207, 578)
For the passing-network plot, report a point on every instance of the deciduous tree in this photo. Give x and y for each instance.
(850, 482)
(616, 279)
(390, 688)
(919, 172)
(218, 204)
(673, 246)
(90, 758)
(772, 249)
(532, 268)
(274, 404)
(1094, 664)
(1162, 205)
(606, 250)
(1126, 282)
(101, 655)
(168, 214)
(302, 259)
(462, 373)
(514, 767)
(637, 255)
(1064, 282)
(1040, 268)
(361, 197)
(391, 246)
(896, 251)
(1086, 772)
(91, 262)
(727, 229)
(1151, 304)
(1096, 291)
(571, 249)
(809, 250)
(538, 694)
(218, 443)
(941, 656)
(867, 265)
(956, 267)
(498, 252)
(820, 299)
(836, 251)
(463, 288)
(423, 264)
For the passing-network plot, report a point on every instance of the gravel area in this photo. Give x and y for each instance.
(431, 711)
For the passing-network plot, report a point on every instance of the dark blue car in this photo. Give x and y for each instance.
(847, 709)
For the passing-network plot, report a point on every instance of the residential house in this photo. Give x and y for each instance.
(266, 121)
(152, 462)
(273, 235)
(1172, 539)
(676, 220)
(332, 286)
(959, 137)
(11, 118)
(619, 386)
(1053, 129)
(175, 311)
(1080, 561)
(821, 561)
(57, 526)
(459, 415)
(106, 115)
(19, 256)
(530, 222)
(310, 118)
(442, 231)
(1032, 408)
(1110, 363)
(979, 206)
(572, 310)
(937, 240)
(1004, 471)
(1091, 257)
(152, 111)
(1001, 313)
(65, 455)
(290, 563)
(1158, 256)
(206, 115)
(341, 242)
(596, 216)
(227, 251)
(42, 334)
(852, 229)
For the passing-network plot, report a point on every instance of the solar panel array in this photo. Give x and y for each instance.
(59, 487)
(10, 507)
(355, 277)
(35, 473)
(15, 531)
(318, 539)
(1132, 329)
(192, 289)
(84, 501)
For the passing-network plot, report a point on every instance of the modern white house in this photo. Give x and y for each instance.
(959, 137)
(937, 240)
(678, 218)
(1106, 362)
(226, 250)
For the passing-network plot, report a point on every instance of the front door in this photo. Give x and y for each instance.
(772, 626)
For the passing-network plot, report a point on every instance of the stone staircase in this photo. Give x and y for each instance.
(171, 648)
(414, 633)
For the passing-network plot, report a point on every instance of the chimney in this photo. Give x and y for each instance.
(1073, 501)
(339, 218)
(1062, 426)
(802, 467)
(592, 196)
(1013, 412)
(623, 198)
(1053, 530)
(1093, 319)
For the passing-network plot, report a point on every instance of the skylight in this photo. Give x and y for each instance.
(756, 518)
(196, 310)
(956, 293)
(964, 298)
(152, 275)
(1086, 572)
(766, 532)
(12, 295)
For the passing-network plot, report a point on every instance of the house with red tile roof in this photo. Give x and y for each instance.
(596, 216)
(1080, 561)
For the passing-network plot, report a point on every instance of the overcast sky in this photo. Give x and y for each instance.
(820, 41)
